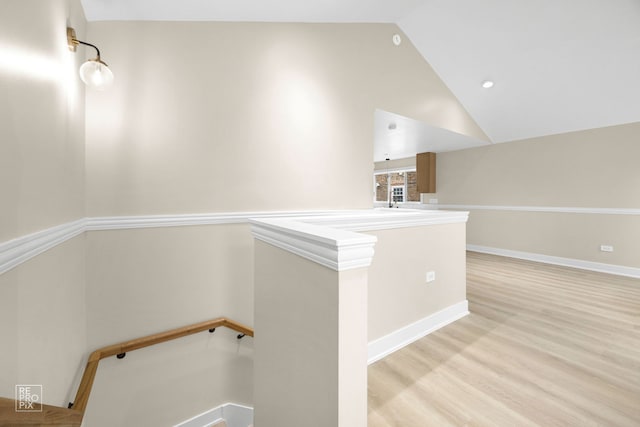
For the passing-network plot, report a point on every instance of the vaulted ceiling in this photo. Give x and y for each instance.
(557, 65)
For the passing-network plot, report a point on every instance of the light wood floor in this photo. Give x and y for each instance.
(543, 346)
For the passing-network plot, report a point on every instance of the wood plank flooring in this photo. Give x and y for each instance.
(543, 346)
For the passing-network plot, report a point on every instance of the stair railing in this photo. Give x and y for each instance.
(73, 415)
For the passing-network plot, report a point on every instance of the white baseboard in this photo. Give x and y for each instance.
(619, 270)
(386, 345)
(233, 414)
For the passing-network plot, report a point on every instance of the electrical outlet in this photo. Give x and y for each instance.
(431, 276)
(433, 201)
(606, 248)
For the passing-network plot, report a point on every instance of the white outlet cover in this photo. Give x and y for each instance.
(431, 276)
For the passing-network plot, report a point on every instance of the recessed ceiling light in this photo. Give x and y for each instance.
(487, 84)
(392, 126)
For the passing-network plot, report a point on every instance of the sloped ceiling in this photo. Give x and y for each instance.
(399, 137)
(558, 65)
(250, 10)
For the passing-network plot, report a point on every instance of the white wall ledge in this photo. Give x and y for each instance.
(19, 250)
(332, 241)
(386, 218)
(16, 251)
(181, 220)
(353, 220)
(338, 250)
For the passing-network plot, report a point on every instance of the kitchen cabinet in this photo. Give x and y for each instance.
(426, 170)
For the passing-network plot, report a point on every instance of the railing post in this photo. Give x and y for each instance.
(310, 362)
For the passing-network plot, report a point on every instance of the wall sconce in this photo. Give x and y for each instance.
(94, 72)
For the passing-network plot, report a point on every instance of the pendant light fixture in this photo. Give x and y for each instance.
(94, 72)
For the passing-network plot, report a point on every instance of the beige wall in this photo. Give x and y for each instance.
(311, 360)
(211, 117)
(41, 117)
(398, 292)
(594, 168)
(42, 323)
(42, 314)
(216, 117)
(149, 280)
(576, 236)
(172, 382)
(203, 117)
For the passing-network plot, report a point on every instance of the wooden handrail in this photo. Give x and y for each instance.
(82, 396)
(56, 416)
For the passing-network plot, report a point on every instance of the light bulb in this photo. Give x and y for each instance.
(95, 73)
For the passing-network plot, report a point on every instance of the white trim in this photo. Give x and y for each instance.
(21, 249)
(352, 220)
(398, 205)
(179, 220)
(393, 170)
(566, 262)
(386, 219)
(396, 340)
(329, 240)
(15, 252)
(552, 209)
(233, 414)
(338, 250)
